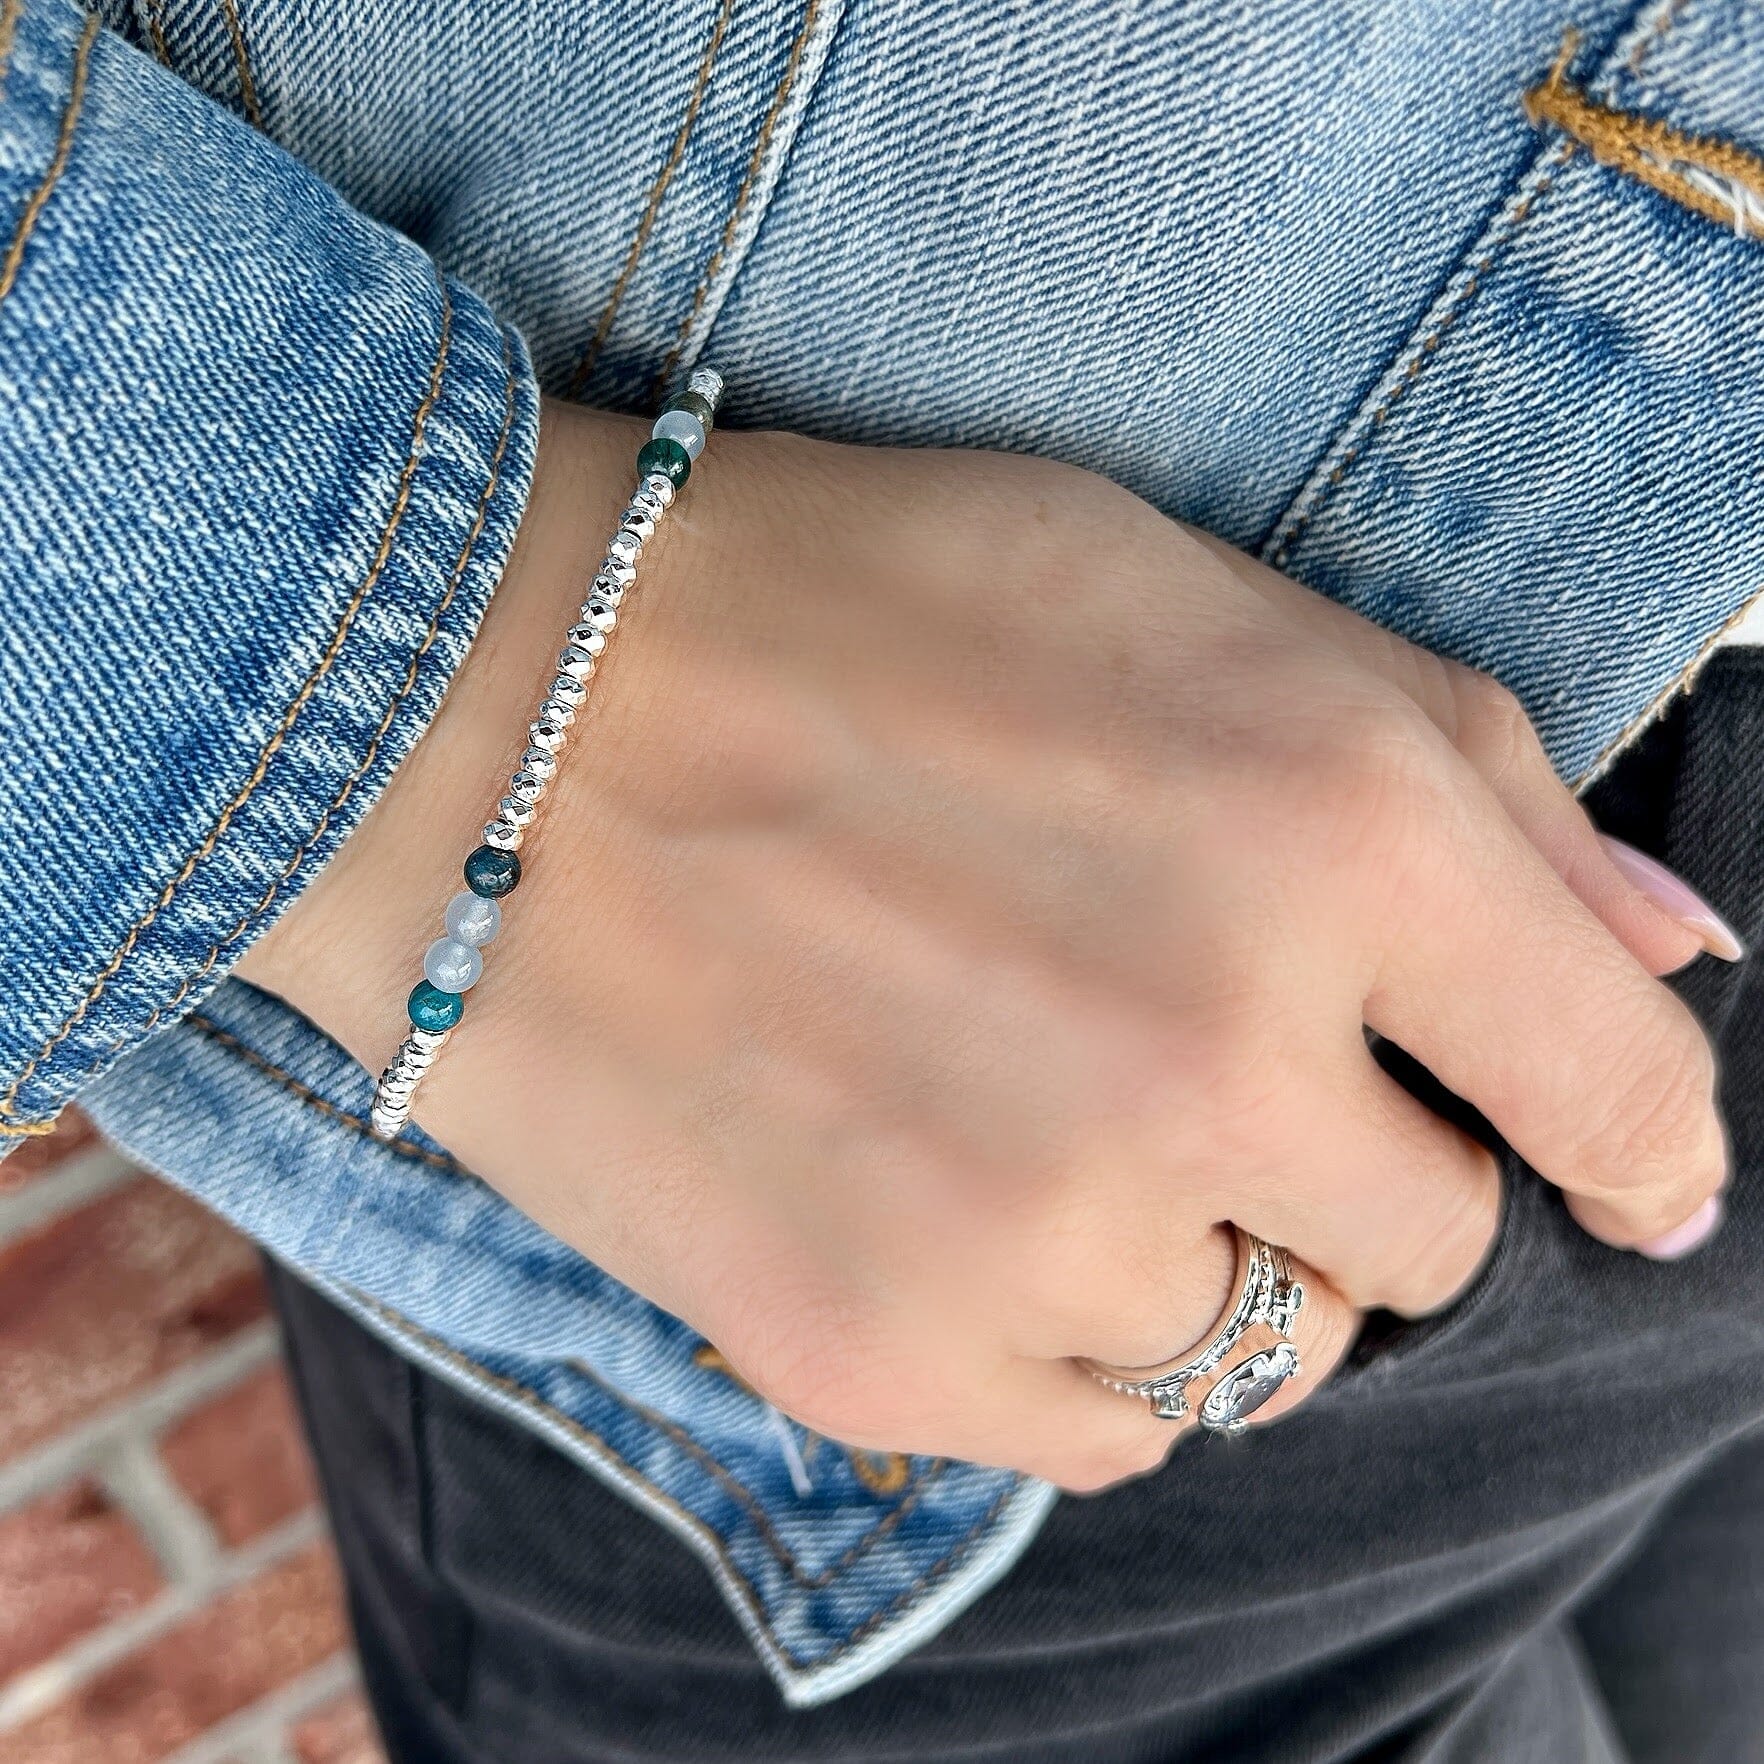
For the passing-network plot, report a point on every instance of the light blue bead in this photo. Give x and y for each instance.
(451, 965)
(681, 426)
(473, 919)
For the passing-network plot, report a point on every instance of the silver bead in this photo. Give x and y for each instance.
(683, 429)
(645, 502)
(564, 690)
(547, 734)
(558, 711)
(605, 588)
(430, 1041)
(576, 661)
(639, 523)
(539, 761)
(708, 384)
(601, 614)
(661, 487)
(502, 835)
(615, 569)
(386, 1125)
(515, 812)
(625, 546)
(525, 786)
(470, 919)
(587, 636)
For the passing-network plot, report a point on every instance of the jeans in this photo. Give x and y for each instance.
(1528, 1531)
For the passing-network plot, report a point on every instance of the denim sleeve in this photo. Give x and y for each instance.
(263, 466)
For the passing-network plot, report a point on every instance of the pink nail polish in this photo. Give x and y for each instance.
(1675, 898)
(1696, 1231)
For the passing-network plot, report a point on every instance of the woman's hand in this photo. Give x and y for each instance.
(964, 893)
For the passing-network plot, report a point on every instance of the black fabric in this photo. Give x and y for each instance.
(1529, 1530)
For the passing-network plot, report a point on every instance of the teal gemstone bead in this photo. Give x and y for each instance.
(664, 456)
(433, 1009)
(694, 405)
(492, 873)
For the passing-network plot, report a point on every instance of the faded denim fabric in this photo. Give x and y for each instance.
(1306, 276)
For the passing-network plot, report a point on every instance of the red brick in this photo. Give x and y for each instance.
(241, 1458)
(174, 1689)
(30, 1160)
(342, 1732)
(69, 1563)
(105, 1299)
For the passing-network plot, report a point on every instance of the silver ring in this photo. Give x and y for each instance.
(1241, 1364)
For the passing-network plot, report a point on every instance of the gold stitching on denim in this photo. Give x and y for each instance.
(1293, 528)
(702, 293)
(1517, 215)
(652, 203)
(1668, 16)
(405, 1148)
(76, 98)
(279, 735)
(156, 31)
(1716, 179)
(745, 1497)
(429, 638)
(247, 85)
(884, 1474)
(530, 1399)
(10, 12)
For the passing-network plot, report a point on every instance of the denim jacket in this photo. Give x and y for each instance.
(279, 285)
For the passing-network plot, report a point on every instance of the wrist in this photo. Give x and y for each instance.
(348, 951)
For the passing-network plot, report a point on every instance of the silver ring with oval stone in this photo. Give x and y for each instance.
(1241, 1364)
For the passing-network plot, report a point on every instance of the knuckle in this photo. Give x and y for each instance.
(1660, 1124)
(1493, 726)
(1452, 1246)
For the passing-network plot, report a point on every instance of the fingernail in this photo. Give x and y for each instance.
(1675, 898)
(1691, 1235)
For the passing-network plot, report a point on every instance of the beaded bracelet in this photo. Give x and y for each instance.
(454, 962)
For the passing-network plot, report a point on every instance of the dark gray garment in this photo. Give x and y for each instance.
(1530, 1531)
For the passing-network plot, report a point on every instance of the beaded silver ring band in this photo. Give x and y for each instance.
(455, 961)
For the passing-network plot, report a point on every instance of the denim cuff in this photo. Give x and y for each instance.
(265, 466)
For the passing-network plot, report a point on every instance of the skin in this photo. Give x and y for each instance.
(964, 894)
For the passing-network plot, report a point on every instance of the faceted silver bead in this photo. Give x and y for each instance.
(539, 761)
(707, 383)
(639, 523)
(683, 429)
(430, 1040)
(605, 588)
(615, 569)
(601, 614)
(385, 1124)
(587, 636)
(661, 487)
(547, 734)
(626, 547)
(525, 786)
(557, 710)
(502, 835)
(576, 661)
(567, 691)
(515, 812)
(645, 502)
(470, 919)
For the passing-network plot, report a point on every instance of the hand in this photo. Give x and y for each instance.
(964, 893)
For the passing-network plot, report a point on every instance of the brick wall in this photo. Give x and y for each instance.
(167, 1591)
